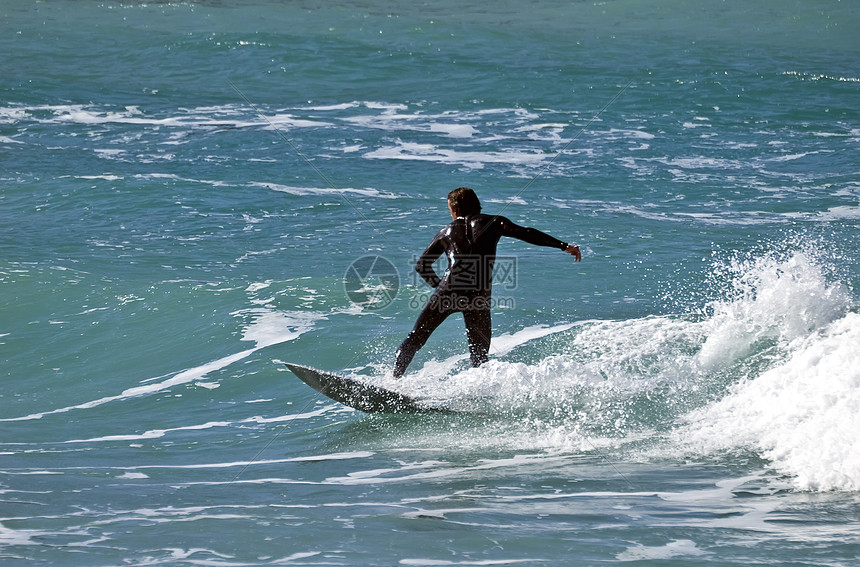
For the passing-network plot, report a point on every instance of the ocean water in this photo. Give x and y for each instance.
(188, 190)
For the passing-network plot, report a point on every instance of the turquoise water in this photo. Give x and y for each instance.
(186, 185)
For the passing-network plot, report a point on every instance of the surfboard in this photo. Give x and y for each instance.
(360, 395)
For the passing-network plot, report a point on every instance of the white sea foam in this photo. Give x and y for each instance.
(677, 548)
(435, 470)
(270, 327)
(770, 298)
(800, 411)
(589, 380)
(801, 414)
(451, 124)
(413, 151)
(790, 157)
(105, 177)
(133, 476)
(516, 200)
(226, 116)
(11, 537)
(617, 133)
(783, 329)
(549, 132)
(701, 162)
(454, 130)
(159, 433)
(500, 345)
(280, 121)
(330, 107)
(387, 106)
(840, 213)
(12, 114)
(505, 343)
(79, 114)
(259, 462)
(289, 189)
(303, 191)
(152, 434)
(267, 327)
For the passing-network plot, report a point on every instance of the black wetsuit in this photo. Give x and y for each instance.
(470, 244)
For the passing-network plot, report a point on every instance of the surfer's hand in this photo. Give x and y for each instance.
(574, 251)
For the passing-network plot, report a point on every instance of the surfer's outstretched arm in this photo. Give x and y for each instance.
(538, 238)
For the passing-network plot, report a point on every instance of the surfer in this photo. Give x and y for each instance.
(470, 242)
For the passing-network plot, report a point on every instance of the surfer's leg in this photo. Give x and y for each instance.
(479, 328)
(429, 319)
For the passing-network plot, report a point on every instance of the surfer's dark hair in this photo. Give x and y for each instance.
(464, 202)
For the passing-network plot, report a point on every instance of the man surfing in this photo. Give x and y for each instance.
(470, 242)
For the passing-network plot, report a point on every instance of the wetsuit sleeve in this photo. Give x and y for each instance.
(530, 235)
(424, 267)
